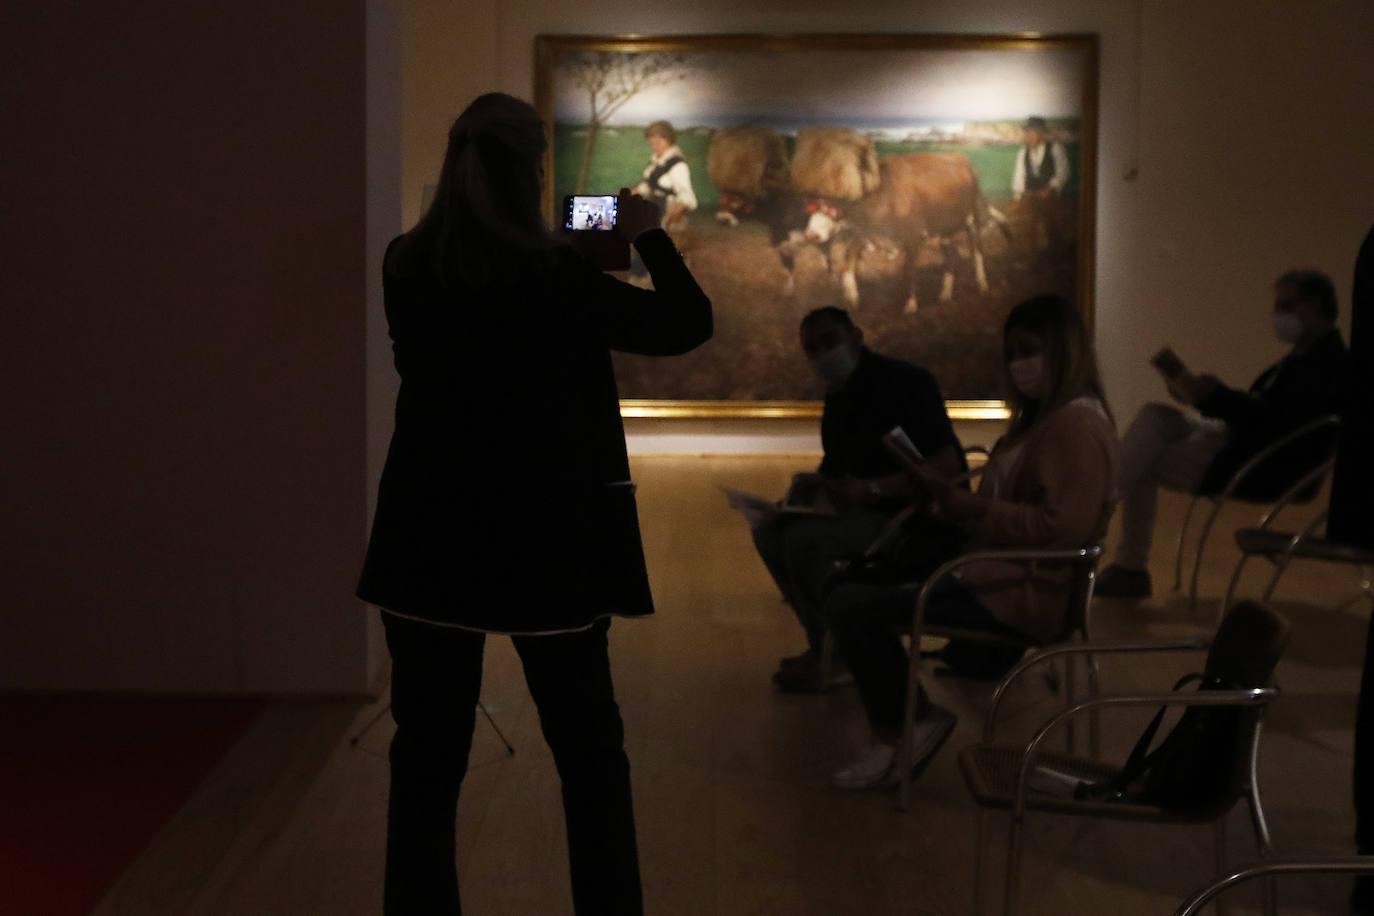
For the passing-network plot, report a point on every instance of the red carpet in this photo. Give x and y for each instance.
(87, 781)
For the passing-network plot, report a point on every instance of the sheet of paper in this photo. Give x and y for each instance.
(758, 510)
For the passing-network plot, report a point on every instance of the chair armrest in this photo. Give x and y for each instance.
(1311, 478)
(1328, 421)
(1083, 648)
(1081, 555)
(1254, 696)
(1334, 865)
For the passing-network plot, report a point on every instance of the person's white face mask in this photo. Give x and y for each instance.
(1028, 375)
(1287, 327)
(835, 365)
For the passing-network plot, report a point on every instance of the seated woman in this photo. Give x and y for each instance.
(1050, 483)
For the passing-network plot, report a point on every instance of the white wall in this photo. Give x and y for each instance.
(1246, 123)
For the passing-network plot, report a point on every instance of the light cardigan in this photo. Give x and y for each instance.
(1061, 496)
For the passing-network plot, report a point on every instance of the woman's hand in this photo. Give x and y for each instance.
(635, 215)
(927, 481)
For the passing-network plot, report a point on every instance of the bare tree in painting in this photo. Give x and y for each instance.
(610, 79)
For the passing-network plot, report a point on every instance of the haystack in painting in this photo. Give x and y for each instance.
(748, 161)
(834, 162)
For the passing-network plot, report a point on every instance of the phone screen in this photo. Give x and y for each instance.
(589, 212)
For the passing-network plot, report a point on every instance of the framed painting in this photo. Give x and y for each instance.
(926, 183)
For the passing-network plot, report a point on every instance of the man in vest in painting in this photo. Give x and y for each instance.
(1042, 169)
(667, 178)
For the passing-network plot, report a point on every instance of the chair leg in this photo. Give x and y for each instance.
(1201, 548)
(1231, 588)
(1266, 847)
(1280, 567)
(978, 862)
(1011, 904)
(1219, 843)
(905, 750)
(1094, 720)
(827, 655)
(1070, 735)
(1178, 546)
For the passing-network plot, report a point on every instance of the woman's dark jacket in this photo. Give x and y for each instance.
(504, 505)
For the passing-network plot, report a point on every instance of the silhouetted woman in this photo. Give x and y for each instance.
(505, 505)
(1050, 483)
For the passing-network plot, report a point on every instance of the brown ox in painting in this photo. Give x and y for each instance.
(920, 196)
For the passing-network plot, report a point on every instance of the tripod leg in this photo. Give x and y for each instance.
(509, 750)
(353, 742)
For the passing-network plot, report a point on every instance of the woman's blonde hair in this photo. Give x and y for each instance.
(1070, 361)
(485, 225)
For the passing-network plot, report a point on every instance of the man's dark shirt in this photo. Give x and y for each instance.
(1298, 389)
(880, 394)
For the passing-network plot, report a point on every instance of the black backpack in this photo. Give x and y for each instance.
(1197, 762)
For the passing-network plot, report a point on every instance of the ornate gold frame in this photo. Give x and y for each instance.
(546, 46)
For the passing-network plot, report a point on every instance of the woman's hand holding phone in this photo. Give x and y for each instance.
(635, 215)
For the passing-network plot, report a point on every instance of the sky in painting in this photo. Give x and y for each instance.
(812, 86)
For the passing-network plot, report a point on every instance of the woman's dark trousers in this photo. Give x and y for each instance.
(866, 620)
(436, 682)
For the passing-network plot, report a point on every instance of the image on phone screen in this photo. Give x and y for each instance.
(589, 212)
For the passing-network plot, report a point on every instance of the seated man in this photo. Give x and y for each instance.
(1199, 454)
(866, 396)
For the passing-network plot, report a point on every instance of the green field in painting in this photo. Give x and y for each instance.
(621, 155)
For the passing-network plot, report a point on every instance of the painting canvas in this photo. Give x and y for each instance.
(925, 183)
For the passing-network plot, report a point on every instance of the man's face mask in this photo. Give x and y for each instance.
(836, 365)
(1288, 327)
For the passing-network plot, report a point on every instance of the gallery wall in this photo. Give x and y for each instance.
(1235, 142)
(186, 223)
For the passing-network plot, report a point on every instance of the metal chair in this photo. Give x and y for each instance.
(998, 775)
(1335, 865)
(1282, 547)
(1234, 491)
(976, 457)
(1082, 563)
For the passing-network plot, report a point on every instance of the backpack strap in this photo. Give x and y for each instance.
(1138, 762)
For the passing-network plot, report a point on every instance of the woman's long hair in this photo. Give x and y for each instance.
(1070, 361)
(485, 226)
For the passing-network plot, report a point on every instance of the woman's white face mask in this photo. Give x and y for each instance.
(1028, 375)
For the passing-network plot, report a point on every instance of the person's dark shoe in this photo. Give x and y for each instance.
(1119, 582)
(808, 659)
(802, 674)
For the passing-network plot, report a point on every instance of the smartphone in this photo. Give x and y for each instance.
(1168, 363)
(595, 212)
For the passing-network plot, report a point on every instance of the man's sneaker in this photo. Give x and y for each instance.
(873, 768)
(1119, 582)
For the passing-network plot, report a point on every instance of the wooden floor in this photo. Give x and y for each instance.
(730, 777)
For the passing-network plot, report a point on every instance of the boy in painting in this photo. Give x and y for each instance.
(667, 178)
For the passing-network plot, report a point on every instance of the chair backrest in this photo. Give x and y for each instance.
(1078, 610)
(1281, 464)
